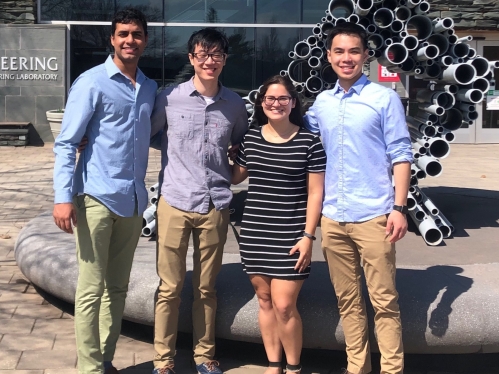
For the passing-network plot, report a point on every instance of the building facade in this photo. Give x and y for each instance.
(260, 32)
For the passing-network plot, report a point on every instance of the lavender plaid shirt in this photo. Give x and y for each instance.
(195, 167)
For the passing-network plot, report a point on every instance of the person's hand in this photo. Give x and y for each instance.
(304, 246)
(83, 144)
(396, 226)
(65, 216)
(232, 152)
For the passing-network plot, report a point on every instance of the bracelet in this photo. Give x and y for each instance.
(307, 235)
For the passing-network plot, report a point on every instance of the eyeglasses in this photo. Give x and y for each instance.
(282, 100)
(203, 56)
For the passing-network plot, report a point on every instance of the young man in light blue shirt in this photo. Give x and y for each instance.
(105, 195)
(366, 139)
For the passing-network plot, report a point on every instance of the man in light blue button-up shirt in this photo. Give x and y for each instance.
(366, 139)
(104, 195)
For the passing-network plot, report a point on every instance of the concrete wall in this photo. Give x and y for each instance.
(26, 93)
(17, 11)
(468, 14)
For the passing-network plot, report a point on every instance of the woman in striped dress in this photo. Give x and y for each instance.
(285, 164)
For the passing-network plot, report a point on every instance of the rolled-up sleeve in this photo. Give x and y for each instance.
(80, 107)
(395, 130)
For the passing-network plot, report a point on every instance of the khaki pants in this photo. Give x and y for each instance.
(105, 244)
(209, 235)
(345, 245)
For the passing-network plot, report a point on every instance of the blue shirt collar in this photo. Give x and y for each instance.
(112, 70)
(357, 86)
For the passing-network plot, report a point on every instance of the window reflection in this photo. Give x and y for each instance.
(90, 46)
(314, 10)
(225, 11)
(102, 10)
(278, 11)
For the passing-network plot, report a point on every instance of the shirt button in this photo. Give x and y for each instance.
(136, 119)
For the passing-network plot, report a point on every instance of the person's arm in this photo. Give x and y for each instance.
(315, 188)
(310, 119)
(79, 110)
(158, 119)
(239, 168)
(398, 149)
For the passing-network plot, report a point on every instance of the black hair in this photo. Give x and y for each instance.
(127, 16)
(208, 38)
(295, 117)
(347, 28)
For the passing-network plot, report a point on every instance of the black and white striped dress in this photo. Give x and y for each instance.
(275, 212)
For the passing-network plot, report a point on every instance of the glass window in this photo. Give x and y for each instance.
(278, 11)
(225, 11)
(90, 46)
(272, 48)
(103, 10)
(238, 72)
(491, 117)
(314, 10)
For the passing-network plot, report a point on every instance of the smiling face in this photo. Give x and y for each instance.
(277, 111)
(129, 41)
(208, 70)
(347, 55)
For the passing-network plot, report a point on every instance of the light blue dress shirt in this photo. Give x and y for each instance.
(104, 105)
(364, 133)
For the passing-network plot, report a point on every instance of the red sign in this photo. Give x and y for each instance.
(385, 76)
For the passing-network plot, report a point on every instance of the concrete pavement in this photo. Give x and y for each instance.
(36, 337)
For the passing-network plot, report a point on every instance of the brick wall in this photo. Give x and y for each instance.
(468, 14)
(20, 12)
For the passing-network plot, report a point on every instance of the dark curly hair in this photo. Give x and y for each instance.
(296, 115)
(347, 28)
(208, 38)
(129, 15)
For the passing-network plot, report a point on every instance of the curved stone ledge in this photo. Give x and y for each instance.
(445, 309)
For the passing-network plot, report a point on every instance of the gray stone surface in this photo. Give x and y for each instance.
(2, 108)
(11, 38)
(20, 109)
(445, 308)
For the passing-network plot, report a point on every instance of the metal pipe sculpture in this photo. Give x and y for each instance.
(403, 38)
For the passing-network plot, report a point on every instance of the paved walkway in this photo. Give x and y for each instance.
(36, 337)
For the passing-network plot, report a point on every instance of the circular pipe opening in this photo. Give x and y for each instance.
(445, 230)
(316, 52)
(353, 18)
(312, 40)
(383, 18)
(464, 73)
(328, 75)
(460, 50)
(481, 84)
(413, 181)
(447, 60)
(452, 39)
(433, 168)
(298, 70)
(341, 8)
(472, 53)
(431, 51)
(449, 136)
(410, 42)
(375, 41)
(420, 215)
(420, 174)
(433, 236)
(430, 131)
(365, 23)
(326, 27)
(317, 30)
(433, 71)
(314, 62)
(302, 49)
(395, 54)
(439, 148)
(402, 13)
(422, 25)
(452, 119)
(397, 26)
(411, 203)
(390, 4)
(314, 84)
(441, 42)
(481, 65)
(371, 29)
(472, 116)
(447, 22)
(408, 65)
(423, 7)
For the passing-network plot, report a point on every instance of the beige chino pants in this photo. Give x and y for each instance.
(209, 233)
(345, 246)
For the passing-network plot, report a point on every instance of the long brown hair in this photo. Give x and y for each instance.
(295, 117)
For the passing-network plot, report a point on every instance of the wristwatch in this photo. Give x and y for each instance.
(401, 208)
(307, 235)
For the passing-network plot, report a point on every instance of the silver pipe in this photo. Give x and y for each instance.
(440, 98)
(452, 119)
(153, 200)
(328, 75)
(412, 3)
(341, 8)
(417, 214)
(470, 95)
(317, 30)
(383, 18)
(465, 39)
(438, 148)
(397, 26)
(433, 109)
(326, 27)
(415, 154)
(432, 208)
(470, 116)
(452, 38)
(302, 50)
(481, 84)
(375, 41)
(371, 29)
(425, 53)
(149, 229)
(429, 230)
(418, 148)
(493, 65)
(481, 65)
(422, 8)
(340, 20)
(472, 53)
(450, 88)
(459, 50)
(154, 187)
(390, 4)
(363, 7)
(314, 84)
(459, 74)
(403, 68)
(441, 42)
(353, 18)
(312, 40)
(446, 61)
(394, 54)
(466, 107)
(148, 215)
(402, 13)
(448, 135)
(430, 165)
(388, 42)
(443, 25)
(315, 63)
(410, 42)
(445, 221)
(425, 116)
(422, 24)
(411, 201)
(444, 229)
(420, 174)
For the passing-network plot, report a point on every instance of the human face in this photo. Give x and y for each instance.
(276, 111)
(207, 70)
(129, 41)
(347, 55)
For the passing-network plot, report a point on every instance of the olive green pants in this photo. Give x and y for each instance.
(105, 244)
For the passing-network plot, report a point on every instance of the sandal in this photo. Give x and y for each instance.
(295, 369)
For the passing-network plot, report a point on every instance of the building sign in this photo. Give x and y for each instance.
(28, 68)
(385, 76)
(493, 100)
